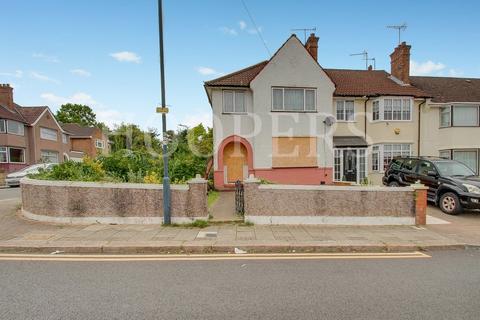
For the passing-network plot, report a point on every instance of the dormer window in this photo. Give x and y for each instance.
(392, 109)
(234, 101)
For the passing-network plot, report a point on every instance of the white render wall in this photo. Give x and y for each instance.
(292, 66)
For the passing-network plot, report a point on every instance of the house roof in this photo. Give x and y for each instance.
(77, 130)
(30, 114)
(7, 113)
(347, 82)
(240, 78)
(447, 89)
(370, 83)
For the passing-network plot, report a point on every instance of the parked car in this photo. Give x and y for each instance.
(451, 185)
(13, 179)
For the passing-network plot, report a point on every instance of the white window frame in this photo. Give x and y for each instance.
(376, 110)
(4, 126)
(50, 152)
(5, 151)
(100, 144)
(403, 109)
(64, 138)
(449, 108)
(345, 110)
(44, 134)
(452, 115)
(20, 125)
(338, 154)
(9, 158)
(304, 99)
(381, 154)
(234, 92)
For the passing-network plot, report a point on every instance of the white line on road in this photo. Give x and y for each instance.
(212, 257)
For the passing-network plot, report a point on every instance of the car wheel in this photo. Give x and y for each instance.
(393, 184)
(450, 204)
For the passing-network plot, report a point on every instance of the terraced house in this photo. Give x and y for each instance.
(274, 119)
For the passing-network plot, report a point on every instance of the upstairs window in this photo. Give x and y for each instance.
(64, 138)
(15, 127)
(445, 117)
(48, 134)
(234, 101)
(465, 116)
(293, 99)
(2, 126)
(345, 110)
(376, 110)
(397, 110)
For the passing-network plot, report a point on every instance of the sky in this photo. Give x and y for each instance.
(104, 53)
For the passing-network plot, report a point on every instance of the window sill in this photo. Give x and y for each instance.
(476, 126)
(48, 140)
(347, 121)
(16, 134)
(233, 113)
(293, 111)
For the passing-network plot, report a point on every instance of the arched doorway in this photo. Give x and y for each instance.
(235, 162)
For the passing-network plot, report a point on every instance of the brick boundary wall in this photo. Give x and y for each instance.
(341, 205)
(121, 203)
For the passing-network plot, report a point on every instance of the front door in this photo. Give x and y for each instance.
(350, 165)
(235, 161)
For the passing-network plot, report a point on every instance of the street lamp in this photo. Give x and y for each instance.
(163, 110)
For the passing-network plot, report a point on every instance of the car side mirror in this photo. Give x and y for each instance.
(431, 173)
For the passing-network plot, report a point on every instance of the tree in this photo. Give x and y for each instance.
(130, 136)
(77, 113)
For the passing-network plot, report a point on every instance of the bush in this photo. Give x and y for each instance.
(87, 170)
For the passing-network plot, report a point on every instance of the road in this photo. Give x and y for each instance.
(445, 286)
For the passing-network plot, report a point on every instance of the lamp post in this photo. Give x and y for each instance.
(163, 110)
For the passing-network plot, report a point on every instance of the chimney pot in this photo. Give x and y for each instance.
(312, 45)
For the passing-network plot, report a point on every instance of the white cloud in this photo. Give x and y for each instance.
(242, 24)
(455, 73)
(46, 57)
(229, 31)
(104, 114)
(206, 71)
(16, 74)
(42, 77)
(254, 31)
(426, 68)
(80, 72)
(126, 56)
(194, 120)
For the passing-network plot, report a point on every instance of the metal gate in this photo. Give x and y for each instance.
(239, 199)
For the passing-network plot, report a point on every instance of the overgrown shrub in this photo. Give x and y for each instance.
(87, 170)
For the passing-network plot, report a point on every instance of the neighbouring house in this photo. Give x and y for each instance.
(28, 135)
(270, 119)
(86, 141)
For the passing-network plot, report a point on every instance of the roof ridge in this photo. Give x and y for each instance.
(446, 77)
(236, 72)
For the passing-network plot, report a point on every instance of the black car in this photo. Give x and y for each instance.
(451, 184)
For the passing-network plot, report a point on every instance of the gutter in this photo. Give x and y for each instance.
(419, 125)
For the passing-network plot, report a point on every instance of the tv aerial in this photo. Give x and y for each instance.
(400, 28)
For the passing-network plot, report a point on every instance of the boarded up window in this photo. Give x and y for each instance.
(294, 152)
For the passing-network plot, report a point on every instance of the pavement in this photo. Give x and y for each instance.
(224, 207)
(18, 234)
(442, 286)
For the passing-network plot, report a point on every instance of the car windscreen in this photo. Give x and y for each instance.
(453, 168)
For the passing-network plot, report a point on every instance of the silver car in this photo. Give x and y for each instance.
(13, 179)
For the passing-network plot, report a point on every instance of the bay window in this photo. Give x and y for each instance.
(465, 116)
(392, 109)
(445, 117)
(293, 99)
(383, 154)
(15, 127)
(234, 101)
(49, 156)
(2, 126)
(16, 155)
(469, 157)
(345, 110)
(3, 155)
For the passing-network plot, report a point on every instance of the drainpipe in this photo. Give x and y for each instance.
(419, 125)
(365, 115)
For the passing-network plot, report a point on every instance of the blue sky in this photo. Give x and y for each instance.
(105, 53)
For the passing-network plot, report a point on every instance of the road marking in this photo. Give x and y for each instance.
(212, 257)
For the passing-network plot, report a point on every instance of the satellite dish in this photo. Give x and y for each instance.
(329, 121)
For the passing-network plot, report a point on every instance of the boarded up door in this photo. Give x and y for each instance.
(235, 159)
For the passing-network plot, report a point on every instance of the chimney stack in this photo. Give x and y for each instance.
(312, 45)
(6, 96)
(400, 63)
